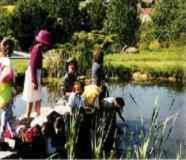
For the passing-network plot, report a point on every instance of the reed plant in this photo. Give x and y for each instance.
(152, 143)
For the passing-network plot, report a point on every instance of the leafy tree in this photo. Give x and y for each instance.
(5, 21)
(96, 11)
(169, 19)
(67, 14)
(60, 17)
(7, 1)
(122, 20)
(27, 19)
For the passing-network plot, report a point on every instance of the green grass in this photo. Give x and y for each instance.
(19, 65)
(164, 62)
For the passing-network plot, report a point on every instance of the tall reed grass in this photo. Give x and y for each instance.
(152, 143)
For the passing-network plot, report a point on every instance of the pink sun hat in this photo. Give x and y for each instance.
(44, 37)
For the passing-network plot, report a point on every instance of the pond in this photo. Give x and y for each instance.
(140, 101)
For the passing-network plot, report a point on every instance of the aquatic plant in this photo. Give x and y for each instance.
(153, 144)
(72, 133)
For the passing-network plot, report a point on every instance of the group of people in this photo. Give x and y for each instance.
(89, 99)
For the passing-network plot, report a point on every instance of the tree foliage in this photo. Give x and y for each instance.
(122, 20)
(169, 19)
(5, 23)
(60, 17)
(96, 12)
(27, 19)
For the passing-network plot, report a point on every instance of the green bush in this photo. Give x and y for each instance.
(146, 35)
(81, 47)
(85, 43)
(122, 20)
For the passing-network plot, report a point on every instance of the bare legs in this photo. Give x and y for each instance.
(37, 108)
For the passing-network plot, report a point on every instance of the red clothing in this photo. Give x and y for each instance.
(35, 61)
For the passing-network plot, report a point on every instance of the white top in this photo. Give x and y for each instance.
(5, 61)
(108, 102)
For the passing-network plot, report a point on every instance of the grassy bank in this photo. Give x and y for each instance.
(163, 63)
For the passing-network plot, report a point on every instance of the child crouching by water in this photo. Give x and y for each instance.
(6, 86)
(113, 107)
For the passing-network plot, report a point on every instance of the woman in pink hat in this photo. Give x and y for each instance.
(32, 85)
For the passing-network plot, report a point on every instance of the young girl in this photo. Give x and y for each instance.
(6, 86)
(70, 76)
(32, 85)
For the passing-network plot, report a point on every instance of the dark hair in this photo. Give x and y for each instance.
(70, 61)
(60, 124)
(79, 84)
(98, 55)
(8, 44)
(120, 101)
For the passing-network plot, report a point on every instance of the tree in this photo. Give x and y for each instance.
(60, 17)
(169, 19)
(5, 21)
(27, 19)
(96, 11)
(122, 20)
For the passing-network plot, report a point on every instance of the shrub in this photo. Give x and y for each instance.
(54, 60)
(81, 47)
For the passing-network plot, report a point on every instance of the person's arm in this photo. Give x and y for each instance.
(6, 75)
(71, 100)
(119, 111)
(35, 58)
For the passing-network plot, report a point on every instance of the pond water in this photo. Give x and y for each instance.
(140, 101)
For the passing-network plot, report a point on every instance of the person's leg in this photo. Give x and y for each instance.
(38, 107)
(10, 120)
(29, 109)
(3, 124)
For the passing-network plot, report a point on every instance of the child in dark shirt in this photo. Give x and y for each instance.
(70, 76)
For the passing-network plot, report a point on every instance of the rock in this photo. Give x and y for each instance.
(172, 79)
(127, 49)
(154, 45)
(163, 79)
(137, 76)
(131, 50)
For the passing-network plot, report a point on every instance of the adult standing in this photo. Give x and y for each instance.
(32, 85)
